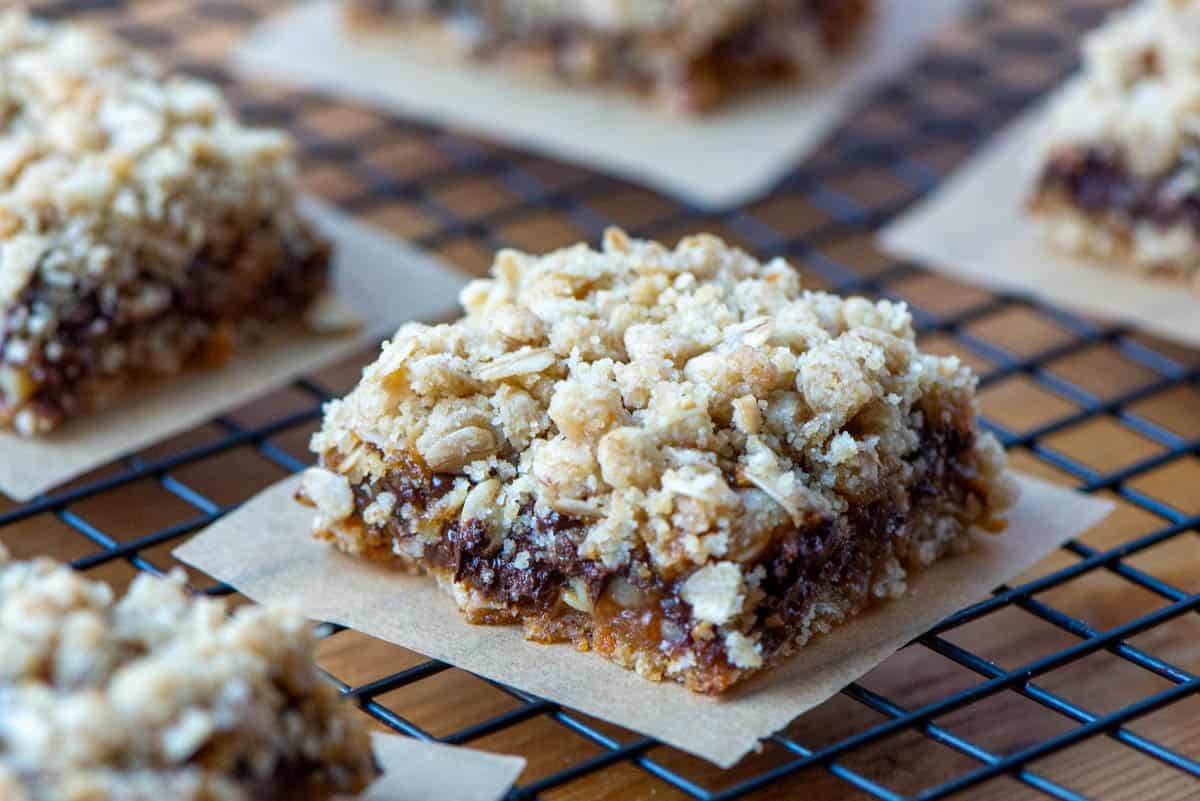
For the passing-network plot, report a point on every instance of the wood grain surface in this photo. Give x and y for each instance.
(462, 197)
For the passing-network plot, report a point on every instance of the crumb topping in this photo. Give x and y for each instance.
(685, 404)
(161, 695)
(105, 165)
(1140, 87)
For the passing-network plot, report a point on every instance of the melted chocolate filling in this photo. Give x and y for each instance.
(215, 292)
(843, 552)
(1098, 181)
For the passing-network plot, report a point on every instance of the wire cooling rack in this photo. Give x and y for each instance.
(1078, 683)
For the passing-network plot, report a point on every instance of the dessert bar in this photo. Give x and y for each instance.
(677, 458)
(160, 695)
(1120, 181)
(142, 228)
(689, 54)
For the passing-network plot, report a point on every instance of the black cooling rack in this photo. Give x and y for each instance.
(1097, 405)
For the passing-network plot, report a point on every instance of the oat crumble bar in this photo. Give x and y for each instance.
(1121, 177)
(690, 54)
(160, 696)
(676, 458)
(142, 227)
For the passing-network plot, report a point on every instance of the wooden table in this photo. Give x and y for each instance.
(1084, 403)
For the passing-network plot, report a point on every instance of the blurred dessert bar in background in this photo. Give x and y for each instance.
(161, 695)
(677, 458)
(141, 226)
(1120, 180)
(691, 55)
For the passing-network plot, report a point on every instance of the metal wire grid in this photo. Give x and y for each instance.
(885, 145)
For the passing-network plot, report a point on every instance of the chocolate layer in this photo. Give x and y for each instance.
(639, 610)
(1097, 181)
(298, 779)
(227, 297)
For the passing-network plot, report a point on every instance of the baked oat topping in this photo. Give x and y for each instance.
(1139, 87)
(643, 425)
(691, 54)
(141, 225)
(1121, 175)
(160, 695)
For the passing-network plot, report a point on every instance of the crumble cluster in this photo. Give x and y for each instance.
(162, 696)
(1139, 89)
(687, 404)
(116, 185)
